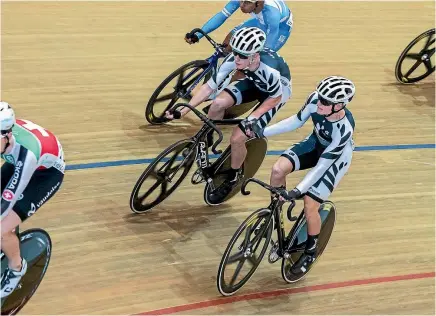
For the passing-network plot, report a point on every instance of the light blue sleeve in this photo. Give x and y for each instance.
(272, 18)
(218, 19)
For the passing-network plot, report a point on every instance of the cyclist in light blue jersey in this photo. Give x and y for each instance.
(272, 16)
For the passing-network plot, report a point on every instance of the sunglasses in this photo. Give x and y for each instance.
(326, 102)
(240, 55)
(4, 133)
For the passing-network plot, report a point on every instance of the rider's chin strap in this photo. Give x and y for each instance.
(333, 110)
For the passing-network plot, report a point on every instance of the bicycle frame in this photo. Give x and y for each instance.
(203, 154)
(279, 225)
(200, 143)
(284, 250)
(212, 60)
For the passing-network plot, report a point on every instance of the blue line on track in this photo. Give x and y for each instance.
(104, 164)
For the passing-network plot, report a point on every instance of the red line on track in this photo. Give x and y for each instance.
(262, 295)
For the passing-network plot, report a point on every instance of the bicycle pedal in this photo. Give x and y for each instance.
(211, 185)
(273, 254)
(197, 177)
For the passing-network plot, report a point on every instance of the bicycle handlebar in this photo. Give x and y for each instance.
(218, 47)
(207, 121)
(278, 191)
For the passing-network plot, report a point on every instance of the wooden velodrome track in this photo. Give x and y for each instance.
(85, 71)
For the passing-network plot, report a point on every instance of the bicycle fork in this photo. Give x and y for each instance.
(279, 249)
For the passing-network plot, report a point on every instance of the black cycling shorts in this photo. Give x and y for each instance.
(41, 187)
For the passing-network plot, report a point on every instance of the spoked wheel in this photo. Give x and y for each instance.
(36, 247)
(251, 241)
(173, 88)
(415, 62)
(163, 176)
(256, 152)
(328, 219)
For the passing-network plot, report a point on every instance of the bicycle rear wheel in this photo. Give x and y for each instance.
(328, 214)
(36, 249)
(256, 152)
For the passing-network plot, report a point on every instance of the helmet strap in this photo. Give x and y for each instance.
(333, 110)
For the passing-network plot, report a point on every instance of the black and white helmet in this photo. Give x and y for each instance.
(248, 40)
(336, 89)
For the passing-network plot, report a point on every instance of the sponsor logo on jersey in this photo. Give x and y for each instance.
(16, 176)
(45, 198)
(284, 82)
(312, 190)
(10, 159)
(60, 165)
(8, 195)
(32, 210)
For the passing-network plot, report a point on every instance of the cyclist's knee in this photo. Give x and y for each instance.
(277, 172)
(222, 102)
(6, 234)
(311, 207)
(10, 223)
(238, 138)
(281, 168)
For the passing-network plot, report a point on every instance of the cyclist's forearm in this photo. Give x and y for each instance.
(215, 22)
(267, 105)
(202, 94)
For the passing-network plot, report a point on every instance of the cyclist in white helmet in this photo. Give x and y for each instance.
(266, 78)
(327, 150)
(32, 173)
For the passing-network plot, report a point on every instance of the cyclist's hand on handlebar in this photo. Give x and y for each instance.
(289, 195)
(191, 39)
(171, 115)
(252, 129)
(226, 47)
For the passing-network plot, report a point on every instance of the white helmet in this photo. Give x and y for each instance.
(248, 41)
(336, 89)
(7, 116)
